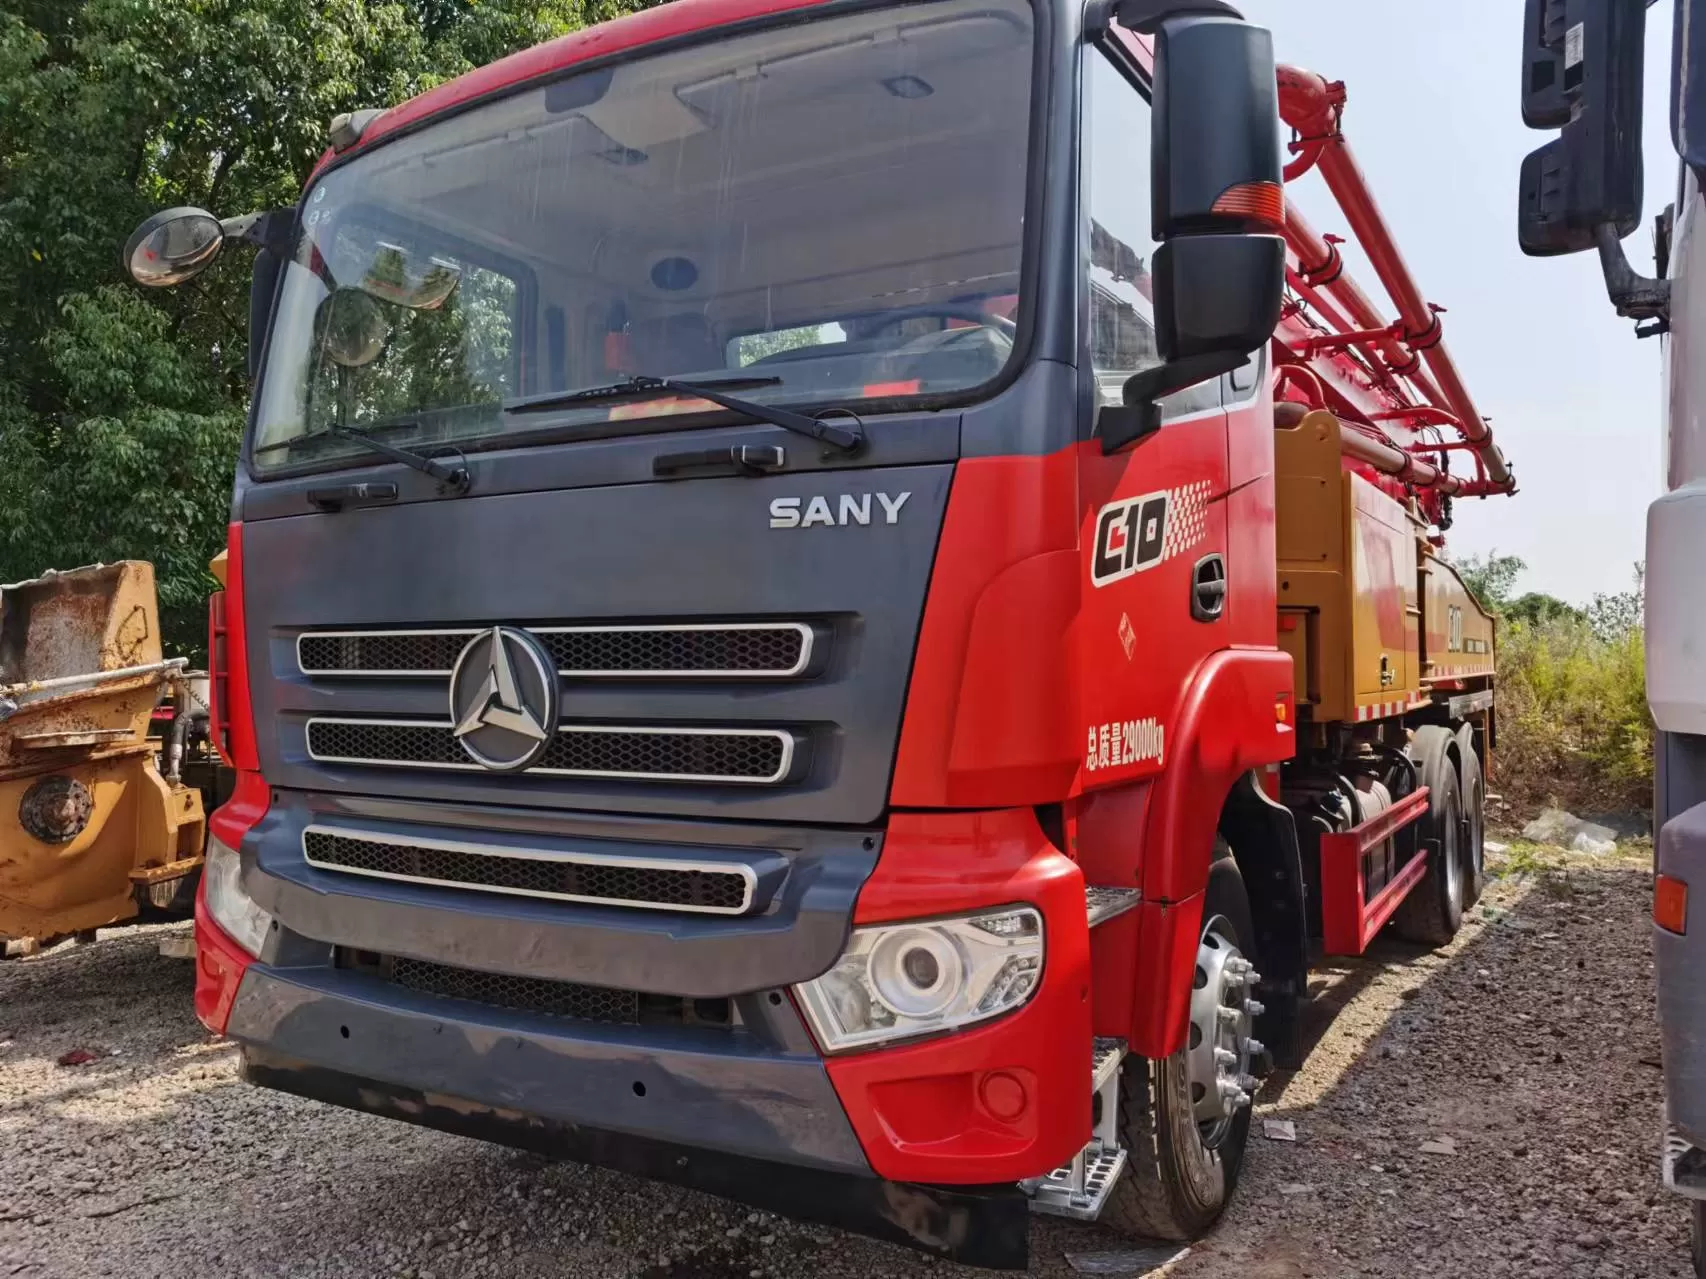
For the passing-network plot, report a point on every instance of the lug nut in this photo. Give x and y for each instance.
(1255, 1047)
(1227, 1016)
(1254, 1007)
(1255, 977)
(1247, 1082)
(1225, 1057)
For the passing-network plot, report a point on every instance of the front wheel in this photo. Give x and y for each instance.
(1185, 1119)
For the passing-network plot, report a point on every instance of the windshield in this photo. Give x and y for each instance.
(837, 205)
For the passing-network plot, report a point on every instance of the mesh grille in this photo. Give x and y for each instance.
(730, 756)
(528, 994)
(707, 890)
(746, 650)
(540, 995)
(743, 650)
(735, 755)
(329, 654)
(385, 743)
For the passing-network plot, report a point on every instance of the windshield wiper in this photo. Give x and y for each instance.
(849, 439)
(455, 480)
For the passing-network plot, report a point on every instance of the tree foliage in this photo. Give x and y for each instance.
(1491, 578)
(120, 411)
(1574, 728)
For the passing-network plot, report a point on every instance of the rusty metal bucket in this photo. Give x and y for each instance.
(88, 827)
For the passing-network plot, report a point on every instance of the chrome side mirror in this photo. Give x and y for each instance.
(173, 246)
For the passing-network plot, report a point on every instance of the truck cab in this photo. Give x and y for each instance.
(751, 642)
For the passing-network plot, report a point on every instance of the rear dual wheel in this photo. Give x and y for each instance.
(1456, 874)
(1433, 911)
(1185, 1119)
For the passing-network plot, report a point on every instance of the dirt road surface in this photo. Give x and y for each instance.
(1524, 1058)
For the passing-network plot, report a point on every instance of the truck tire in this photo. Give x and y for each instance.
(1474, 828)
(1180, 1171)
(1433, 911)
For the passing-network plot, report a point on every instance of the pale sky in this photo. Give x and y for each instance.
(1434, 118)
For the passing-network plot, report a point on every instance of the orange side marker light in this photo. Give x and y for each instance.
(1670, 904)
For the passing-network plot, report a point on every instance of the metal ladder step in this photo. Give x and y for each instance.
(1103, 903)
(1080, 1189)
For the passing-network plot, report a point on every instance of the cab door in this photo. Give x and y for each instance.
(1153, 532)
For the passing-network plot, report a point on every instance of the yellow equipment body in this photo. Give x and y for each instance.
(1376, 623)
(90, 831)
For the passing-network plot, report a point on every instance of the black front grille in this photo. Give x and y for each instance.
(716, 755)
(538, 994)
(335, 654)
(640, 651)
(530, 994)
(385, 743)
(661, 888)
(744, 650)
(730, 755)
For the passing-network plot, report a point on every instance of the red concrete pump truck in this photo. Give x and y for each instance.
(830, 601)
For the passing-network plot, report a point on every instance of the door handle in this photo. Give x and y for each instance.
(1208, 588)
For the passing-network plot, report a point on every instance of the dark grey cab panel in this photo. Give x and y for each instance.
(846, 553)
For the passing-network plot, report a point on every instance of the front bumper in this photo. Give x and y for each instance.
(921, 1144)
(975, 1226)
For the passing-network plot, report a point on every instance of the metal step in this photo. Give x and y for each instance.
(1103, 904)
(1080, 1189)
(1105, 1058)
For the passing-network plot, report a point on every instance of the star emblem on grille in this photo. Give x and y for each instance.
(503, 699)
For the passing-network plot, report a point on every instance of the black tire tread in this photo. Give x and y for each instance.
(1424, 915)
(1143, 1205)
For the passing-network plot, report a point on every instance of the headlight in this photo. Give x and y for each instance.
(896, 981)
(232, 909)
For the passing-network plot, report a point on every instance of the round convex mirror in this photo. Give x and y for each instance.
(351, 327)
(173, 246)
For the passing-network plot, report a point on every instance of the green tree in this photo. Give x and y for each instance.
(1491, 578)
(120, 410)
(1534, 607)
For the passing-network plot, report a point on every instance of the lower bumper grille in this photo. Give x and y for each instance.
(539, 995)
(743, 756)
(646, 883)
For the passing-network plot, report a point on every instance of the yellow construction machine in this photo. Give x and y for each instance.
(97, 728)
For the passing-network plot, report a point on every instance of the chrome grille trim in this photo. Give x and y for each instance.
(807, 643)
(787, 744)
(747, 875)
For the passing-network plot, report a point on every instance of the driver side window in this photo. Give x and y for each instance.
(1121, 253)
(1116, 163)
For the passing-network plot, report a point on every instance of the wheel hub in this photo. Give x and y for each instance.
(1220, 1045)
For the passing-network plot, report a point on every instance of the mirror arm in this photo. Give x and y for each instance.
(1140, 415)
(1635, 296)
(265, 229)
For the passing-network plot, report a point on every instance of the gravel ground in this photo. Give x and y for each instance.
(1525, 1054)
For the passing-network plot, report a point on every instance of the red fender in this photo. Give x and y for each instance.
(1236, 714)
